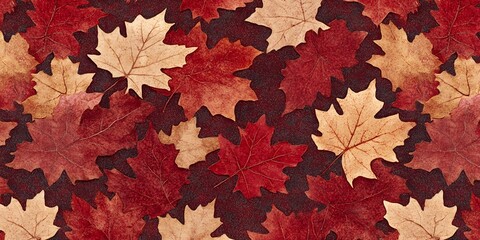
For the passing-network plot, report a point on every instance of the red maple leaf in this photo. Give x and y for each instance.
(55, 22)
(156, 188)
(207, 78)
(207, 9)
(454, 146)
(420, 88)
(71, 142)
(459, 22)
(106, 221)
(322, 56)
(6, 6)
(377, 10)
(353, 212)
(255, 161)
(472, 218)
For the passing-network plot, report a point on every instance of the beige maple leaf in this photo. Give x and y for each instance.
(5, 128)
(14, 58)
(289, 21)
(357, 136)
(64, 80)
(142, 54)
(199, 224)
(404, 60)
(433, 222)
(465, 84)
(191, 148)
(36, 222)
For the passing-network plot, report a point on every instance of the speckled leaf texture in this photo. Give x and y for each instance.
(239, 119)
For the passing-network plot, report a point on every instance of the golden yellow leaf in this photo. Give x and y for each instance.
(289, 21)
(142, 54)
(36, 222)
(199, 224)
(191, 148)
(433, 222)
(5, 128)
(64, 80)
(466, 83)
(357, 136)
(404, 60)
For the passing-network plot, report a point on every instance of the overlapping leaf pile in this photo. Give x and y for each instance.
(240, 119)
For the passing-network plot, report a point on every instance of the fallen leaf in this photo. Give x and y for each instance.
(459, 23)
(64, 80)
(4, 186)
(357, 136)
(191, 147)
(105, 221)
(255, 161)
(454, 143)
(417, 89)
(35, 222)
(199, 224)
(472, 218)
(5, 128)
(318, 63)
(289, 21)
(142, 55)
(413, 222)
(377, 10)
(156, 188)
(465, 84)
(207, 10)
(55, 22)
(6, 6)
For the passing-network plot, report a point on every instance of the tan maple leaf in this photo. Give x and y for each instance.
(465, 84)
(289, 21)
(191, 147)
(64, 80)
(357, 136)
(433, 222)
(199, 224)
(36, 222)
(404, 60)
(5, 128)
(141, 56)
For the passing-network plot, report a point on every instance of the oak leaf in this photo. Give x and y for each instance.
(142, 55)
(465, 84)
(64, 80)
(255, 161)
(207, 10)
(289, 21)
(191, 147)
(413, 222)
(454, 143)
(472, 218)
(156, 188)
(5, 128)
(459, 23)
(35, 222)
(357, 136)
(199, 224)
(318, 63)
(105, 221)
(55, 22)
(377, 10)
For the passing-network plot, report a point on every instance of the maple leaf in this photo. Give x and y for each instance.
(377, 10)
(465, 84)
(35, 222)
(472, 218)
(4, 187)
(207, 79)
(156, 188)
(6, 6)
(454, 143)
(64, 81)
(142, 55)
(289, 21)
(5, 128)
(199, 224)
(433, 222)
(318, 62)
(77, 134)
(55, 22)
(191, 147)
(16, 66)
(419, 88)
(207, 9)
(406, 61)
(353, 212)
(255, 161)
(357, 136)
(459, 23)
(106, 221)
